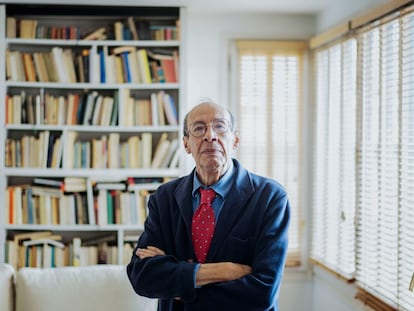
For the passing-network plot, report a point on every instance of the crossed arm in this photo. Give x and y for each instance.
(208, 272)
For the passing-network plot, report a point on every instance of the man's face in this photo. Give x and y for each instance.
(211, 151)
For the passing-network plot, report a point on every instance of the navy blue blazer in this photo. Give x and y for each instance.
(252, 229)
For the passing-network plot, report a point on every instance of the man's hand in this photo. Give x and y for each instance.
(221, 272)
(150, 251)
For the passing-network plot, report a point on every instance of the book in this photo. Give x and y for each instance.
(146, 150)
(50, 66)
(74, 184)
(106, 114)
(68, 61)
(133, 152)
(154, 110)
(170, 153)
(98, 34)
(42, 241)
(132, 28)
(161, 110)
(60, 67)
(126, 72)
(168, 66)
(86, 64)
(89, 107)
(160, 151)
(56, 183)
(119, 30)
(29, 68)
(16, 66)
(28, 28)
(11, 27)
(77, 251)
(40, 67)
(145, 74)
(175, 160)
(113, 150)
(170, 109)
(97, 110)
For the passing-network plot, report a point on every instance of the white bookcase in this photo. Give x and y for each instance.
(42, 110)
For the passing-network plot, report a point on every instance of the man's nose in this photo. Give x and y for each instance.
(210, 133)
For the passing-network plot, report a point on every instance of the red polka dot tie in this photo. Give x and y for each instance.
(203, 224)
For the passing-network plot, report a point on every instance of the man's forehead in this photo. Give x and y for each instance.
(207, 112)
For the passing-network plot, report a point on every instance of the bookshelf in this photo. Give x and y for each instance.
(90, 99)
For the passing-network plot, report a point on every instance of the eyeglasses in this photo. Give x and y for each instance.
(219, 126)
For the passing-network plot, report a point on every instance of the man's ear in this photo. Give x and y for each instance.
(236, 140)
(185, 143)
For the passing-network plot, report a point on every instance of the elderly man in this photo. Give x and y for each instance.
(217, 238)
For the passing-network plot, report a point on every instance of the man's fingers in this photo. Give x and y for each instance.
(156, 250)
(150, 251)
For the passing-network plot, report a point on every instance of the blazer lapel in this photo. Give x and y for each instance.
(185, 202)
(240, 192)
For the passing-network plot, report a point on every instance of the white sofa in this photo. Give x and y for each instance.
(101, 287)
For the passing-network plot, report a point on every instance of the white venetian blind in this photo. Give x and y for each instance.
(406, 217)
(378, 212)
(381, 180)
(386, 198)
(269, 119)
(333, 212)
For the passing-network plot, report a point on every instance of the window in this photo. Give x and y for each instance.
(333, 228)
(364, 159)
(269, 119)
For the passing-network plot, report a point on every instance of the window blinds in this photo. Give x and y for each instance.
(374, 171)
(333, 243)
(406, 193)
(378, 158)
(269, 119)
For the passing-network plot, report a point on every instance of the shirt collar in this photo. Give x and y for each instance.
(221, 187)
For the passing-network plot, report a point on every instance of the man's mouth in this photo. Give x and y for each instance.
(210, 151)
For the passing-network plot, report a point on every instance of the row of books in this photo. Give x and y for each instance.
(128, 64)
(65, 65)
(91, 108)
(43, 150)
(46, 149)
(57, 65)
(115, 206)
(40, 205)
(125, 29)
(109, 151)
(160, 109)
(129, 29)
(43, 249)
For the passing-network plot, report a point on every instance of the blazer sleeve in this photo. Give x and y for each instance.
(163, 277)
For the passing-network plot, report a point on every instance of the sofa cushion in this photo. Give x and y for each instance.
(6, 287)
(102, 287)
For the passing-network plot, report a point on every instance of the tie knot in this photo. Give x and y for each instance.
(207, 196)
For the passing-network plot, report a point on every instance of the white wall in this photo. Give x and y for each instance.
(343, 11)
(208, 43)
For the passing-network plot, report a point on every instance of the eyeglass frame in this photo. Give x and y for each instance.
(229, 126)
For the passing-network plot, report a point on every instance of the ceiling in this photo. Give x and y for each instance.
(270, 6)
(282, 6)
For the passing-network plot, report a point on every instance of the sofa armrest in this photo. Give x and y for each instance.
(101, 287)
(7, 275)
